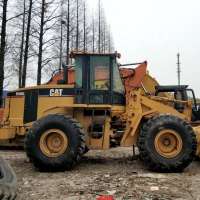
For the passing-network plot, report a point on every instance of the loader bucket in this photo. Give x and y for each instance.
(133, 77)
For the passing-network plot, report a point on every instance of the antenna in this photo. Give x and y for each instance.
(178, 68)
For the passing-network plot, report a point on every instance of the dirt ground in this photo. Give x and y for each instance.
(103, 172)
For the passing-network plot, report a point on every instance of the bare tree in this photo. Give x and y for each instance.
(99, 35)
(84, 28)
(62, 22)
(2, 47)
(41, 43)
(22, 45)
(26, 51)
(77, 25)
(93, 34)
(68, 31)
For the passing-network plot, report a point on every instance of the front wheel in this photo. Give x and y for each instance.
(167, 144)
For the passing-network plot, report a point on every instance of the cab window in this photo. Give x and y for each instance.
(78, 72)
(100, 73)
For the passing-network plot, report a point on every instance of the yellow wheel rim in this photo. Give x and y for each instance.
(168, 143)
(53, 143)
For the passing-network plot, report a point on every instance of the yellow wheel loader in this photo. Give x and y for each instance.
(95, 104)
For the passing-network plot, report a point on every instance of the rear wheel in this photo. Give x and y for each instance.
(167, 143)
(55, 143)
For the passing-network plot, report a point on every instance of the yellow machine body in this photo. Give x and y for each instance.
(139, 106)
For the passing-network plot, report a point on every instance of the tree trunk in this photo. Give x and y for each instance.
(84, 28)
(109, 43)
(99, 39)
(41, 44)
(68, 36)
(77, 25)
(61, 36)
(2, 48)
(26, 51)
(22, 46)
(104, 38)
(93, 35)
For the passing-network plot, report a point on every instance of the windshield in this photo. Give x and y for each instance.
(191, 97)
(117, 81)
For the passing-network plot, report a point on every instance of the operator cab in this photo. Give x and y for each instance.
(97, 79)
(182, 93)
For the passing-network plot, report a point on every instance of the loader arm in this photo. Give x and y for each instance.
(142, 107)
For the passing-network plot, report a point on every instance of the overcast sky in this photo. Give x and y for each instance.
(156, 30)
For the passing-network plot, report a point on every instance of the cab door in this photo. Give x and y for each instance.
(99, 82)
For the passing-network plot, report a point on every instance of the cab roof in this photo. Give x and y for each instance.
(73, 54)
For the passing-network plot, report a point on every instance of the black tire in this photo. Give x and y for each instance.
(8, 181)
(86, 150)
(76, 143)
(150, 155)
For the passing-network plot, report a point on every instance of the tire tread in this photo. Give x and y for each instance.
(60, 164)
